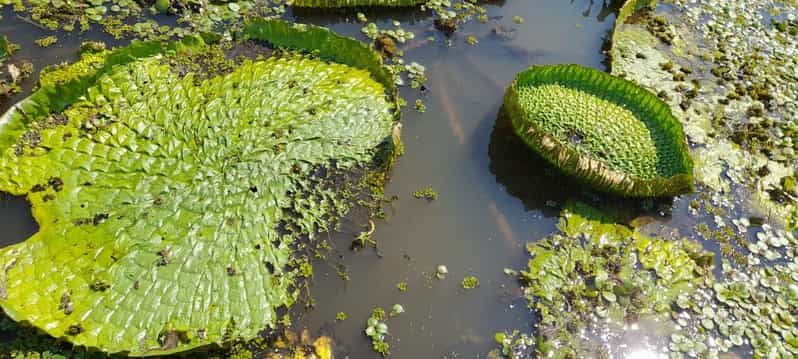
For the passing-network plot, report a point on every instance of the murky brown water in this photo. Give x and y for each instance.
(494, 195)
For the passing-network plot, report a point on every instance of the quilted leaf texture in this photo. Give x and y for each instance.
(168, 206)
(607, 132)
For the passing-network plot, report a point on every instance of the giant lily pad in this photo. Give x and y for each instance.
(605, 131)
(169, 205)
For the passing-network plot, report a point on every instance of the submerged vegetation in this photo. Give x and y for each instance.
(166, 178)
(604, 131)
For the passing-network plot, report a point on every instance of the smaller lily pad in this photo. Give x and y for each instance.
(605, 131)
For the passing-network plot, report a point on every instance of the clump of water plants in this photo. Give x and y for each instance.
(46, 41)
(606, 132)
(377, 330)
(340, 316)
(451, 13)
(354, 3)
(597, 277)
(12, 74)
(740, 111)
(426, 193)
(469, 282)
(184, 193)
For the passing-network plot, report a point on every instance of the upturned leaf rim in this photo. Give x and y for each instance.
(588, 169)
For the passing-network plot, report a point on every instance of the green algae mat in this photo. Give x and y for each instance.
(605, 131)
(169, 201)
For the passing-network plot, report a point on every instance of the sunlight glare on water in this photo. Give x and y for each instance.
(644, 354)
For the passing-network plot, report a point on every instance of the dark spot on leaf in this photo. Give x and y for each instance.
(136, 285)
(75, 329)
(100, 286)
(254, 189)
(56, 183)
(231, 271)
(48, 198)
(163, 257)
(269, 267)
(66, 304)
(158, 201)
(38, 188)
(99, 218)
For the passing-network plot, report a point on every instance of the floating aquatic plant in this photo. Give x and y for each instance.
(469, 282)
(354, 3)
(607, 132)
(5, 48)
(169, 203)
(595, 277)
(426, 193)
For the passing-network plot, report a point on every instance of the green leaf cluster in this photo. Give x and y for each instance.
(605, 131)
(598, 269)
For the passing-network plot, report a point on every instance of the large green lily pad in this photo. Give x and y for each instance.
(169, 206)
(605, 131)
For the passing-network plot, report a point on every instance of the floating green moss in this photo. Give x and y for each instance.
(605, 131)
(182, 196)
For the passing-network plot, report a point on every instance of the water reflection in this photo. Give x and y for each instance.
(608, 7)
(523, 173)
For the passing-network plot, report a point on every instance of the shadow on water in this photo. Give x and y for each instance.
(524, 174)
(540, 186)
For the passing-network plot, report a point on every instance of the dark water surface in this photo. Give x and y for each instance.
(494, 195)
